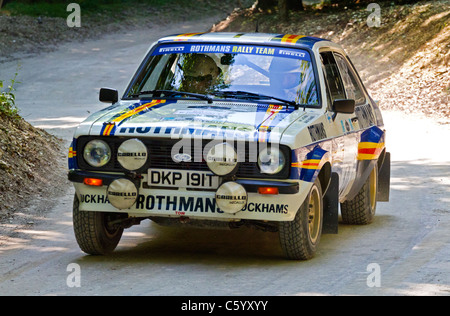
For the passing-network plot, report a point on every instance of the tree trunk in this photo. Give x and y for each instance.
(283, 10)
(1, 3)
(284, 6)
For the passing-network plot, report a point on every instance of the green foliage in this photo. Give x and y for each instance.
(8, 99)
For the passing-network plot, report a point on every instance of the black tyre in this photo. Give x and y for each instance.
(92, 232)
(361, 210)
(300, 238)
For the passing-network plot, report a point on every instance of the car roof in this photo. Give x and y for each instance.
(248, 38)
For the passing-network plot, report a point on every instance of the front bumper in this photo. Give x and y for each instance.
(196, 203)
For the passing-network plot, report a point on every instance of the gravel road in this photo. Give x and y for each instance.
(408, 244)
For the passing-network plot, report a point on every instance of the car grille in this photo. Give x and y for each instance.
(159, 157)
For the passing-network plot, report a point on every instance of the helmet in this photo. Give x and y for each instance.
(200, 73)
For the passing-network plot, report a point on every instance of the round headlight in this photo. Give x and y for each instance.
(97, 153)
(271, 160)
(231, 197)
(222, 159)
(132, 154)
(122, 194)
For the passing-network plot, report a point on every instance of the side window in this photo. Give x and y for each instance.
(333, 77)
(329, 100)
(351, 85)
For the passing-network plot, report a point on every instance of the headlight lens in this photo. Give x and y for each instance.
(222, 159)
(271, 160)
(97, 153)
(132, 154)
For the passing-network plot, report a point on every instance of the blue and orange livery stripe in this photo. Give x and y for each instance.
(73, 155)
(267, 118)
(268, 122)
(135, 110)
(109, 128)
(311, 164)
(308, 169)
(186, 36)
(372, 144)
(369, 151)
(288, 38)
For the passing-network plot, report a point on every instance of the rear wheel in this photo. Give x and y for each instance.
(93, 230)
(299, 238)
(361, 210)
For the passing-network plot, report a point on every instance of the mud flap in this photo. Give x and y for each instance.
(384, 179)
(331, 207)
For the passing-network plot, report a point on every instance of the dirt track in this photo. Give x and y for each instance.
(409, 241)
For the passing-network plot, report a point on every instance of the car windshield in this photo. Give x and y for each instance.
(228, 71)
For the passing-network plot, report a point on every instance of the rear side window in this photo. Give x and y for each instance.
(348, 77)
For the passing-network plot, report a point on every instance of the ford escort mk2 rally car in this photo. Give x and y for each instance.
(224, 130)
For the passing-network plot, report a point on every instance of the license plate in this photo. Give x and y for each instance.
(182, 179)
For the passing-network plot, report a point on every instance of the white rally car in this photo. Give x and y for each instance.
(222, 130)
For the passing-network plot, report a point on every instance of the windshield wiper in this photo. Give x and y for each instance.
(251, 95)
(158, 93)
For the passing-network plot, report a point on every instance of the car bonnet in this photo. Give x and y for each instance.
(185, 118)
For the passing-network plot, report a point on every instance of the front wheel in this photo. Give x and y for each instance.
(93, 230)
(300, 238)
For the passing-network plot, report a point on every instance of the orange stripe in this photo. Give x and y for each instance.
(291, 39)
(369, 151)
(143, 107)
(137, 110)
(307, 164)
(108, 130)
(367, 157)
(285, 38)
(72, 153)
(271, 113)
(188, 34)
(184, 37)
(310, 164)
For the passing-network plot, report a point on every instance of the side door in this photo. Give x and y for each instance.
(346, 127)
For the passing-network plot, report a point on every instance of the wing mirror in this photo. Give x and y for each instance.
(108, 95)
(346, 106)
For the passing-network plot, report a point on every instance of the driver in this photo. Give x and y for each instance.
(201, 73)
